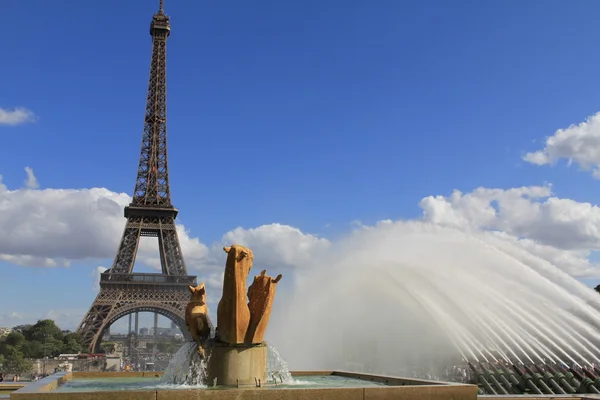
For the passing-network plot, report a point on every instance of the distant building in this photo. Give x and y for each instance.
(143, 331)
(164, 331)
(5, 331)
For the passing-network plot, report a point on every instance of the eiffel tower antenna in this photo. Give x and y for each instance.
(150, 214)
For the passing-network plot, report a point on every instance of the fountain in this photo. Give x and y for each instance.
(236, 358)
(237, 355)
(435, 299)
(513, 324)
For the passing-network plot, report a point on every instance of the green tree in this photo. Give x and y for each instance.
(22, 328)
(47, 334)
(73, 336)
(15, 363)
(44, 330)
(14, 339)
(52, 347)
(72, 343)
(32, 349)
(44, 338)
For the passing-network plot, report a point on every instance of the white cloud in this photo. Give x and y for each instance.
(31, 182)
(53, 227)
(276, 247)
(96, 272)
(16, 116)
(10, 319)
(561, 231)
(523, 212)
(578, 144)
(287, 246)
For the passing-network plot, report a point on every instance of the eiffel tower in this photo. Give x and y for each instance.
(150, 214)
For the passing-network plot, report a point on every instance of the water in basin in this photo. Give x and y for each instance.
(108, 384)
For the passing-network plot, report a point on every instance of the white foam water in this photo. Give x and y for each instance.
(187, 369)
(277, 368)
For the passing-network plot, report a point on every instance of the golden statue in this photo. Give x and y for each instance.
(260, 295)
(196, 317)
(238, 355)
(233, 315)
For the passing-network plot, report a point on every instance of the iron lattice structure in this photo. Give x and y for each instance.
(150, 213)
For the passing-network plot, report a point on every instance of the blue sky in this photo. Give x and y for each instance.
(310, 114)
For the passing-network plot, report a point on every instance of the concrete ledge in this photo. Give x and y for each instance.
(540, 397)
(387, 380)
(92, 375)
(45, 385)
(115, 395)
(396, 388)
(438, 392)
(110, 374)
(391, 380)
(311, 373)
(12, 386)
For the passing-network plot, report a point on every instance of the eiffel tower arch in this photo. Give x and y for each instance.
(124, 294)
(150, 214)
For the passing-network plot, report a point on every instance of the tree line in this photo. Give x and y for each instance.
(27, 342)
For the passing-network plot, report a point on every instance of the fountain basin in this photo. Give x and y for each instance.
(313, 385)
(7, 388)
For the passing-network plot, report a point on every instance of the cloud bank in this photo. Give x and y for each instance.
(56, 227)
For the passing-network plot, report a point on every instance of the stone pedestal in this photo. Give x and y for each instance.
(236, 364)
(113, 362)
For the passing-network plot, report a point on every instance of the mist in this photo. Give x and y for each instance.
(406, 296)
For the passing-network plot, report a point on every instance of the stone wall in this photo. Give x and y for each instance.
(48, 366)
